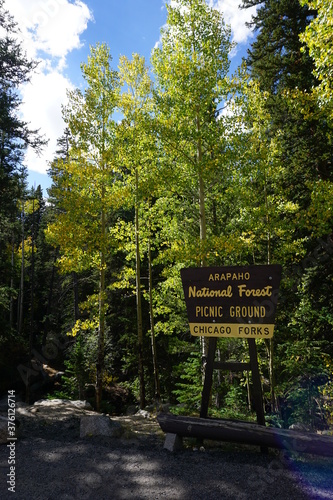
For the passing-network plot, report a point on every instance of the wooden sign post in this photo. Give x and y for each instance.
(238, 302)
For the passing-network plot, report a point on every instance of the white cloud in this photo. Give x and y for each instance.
(42, 100)
(49, 31)
(50, 26)
(236, 18)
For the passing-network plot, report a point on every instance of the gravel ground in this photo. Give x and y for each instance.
(52, 462)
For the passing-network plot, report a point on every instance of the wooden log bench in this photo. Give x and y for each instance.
(177, 427)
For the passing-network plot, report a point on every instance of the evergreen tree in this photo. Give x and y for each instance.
(300, 128)
(15, 70)
(275, 57)
(281, 63)
(15, 136)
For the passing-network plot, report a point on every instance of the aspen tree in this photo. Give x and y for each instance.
(191, 66)
(87, 181)
(137, 156)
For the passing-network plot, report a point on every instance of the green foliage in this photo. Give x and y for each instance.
(304, 403)
(319, 217)
(78, 371)
(188, 391)
(234, 404)
(326, 396)
(229, 392)
(16, 136)
(178, 183)
(318, 38)
(191, 69)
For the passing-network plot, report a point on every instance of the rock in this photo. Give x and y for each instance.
(299, 427)
(131, 410)
(42, 378)
(51, 402)
(173, 442)
(143, 413)
(25, 410)
(82, 405)
(327, 432)
(99, 425)
(51, 374)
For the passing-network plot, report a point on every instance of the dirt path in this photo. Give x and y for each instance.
(52, 462)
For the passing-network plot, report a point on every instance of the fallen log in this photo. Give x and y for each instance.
(246, 433)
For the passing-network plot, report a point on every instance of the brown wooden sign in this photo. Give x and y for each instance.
(232, 301)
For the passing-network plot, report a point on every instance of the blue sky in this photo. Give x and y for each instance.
(58, 33)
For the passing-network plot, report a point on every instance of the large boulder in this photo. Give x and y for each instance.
(99, 425)
(81, 405)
